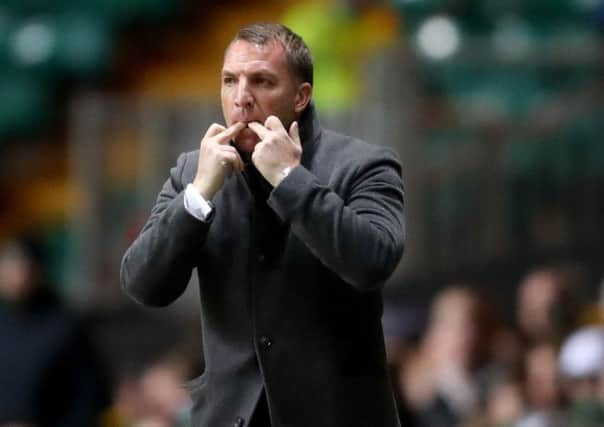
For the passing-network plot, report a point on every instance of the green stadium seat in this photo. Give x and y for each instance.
(83, 45)
(25, 104)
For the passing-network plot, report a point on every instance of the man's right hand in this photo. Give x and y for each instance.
(217, 158)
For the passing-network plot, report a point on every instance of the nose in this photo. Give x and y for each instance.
(244, 98)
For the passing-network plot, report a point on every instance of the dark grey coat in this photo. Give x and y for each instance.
(290, 283)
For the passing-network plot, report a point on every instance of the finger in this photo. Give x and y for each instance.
(214, 129)
(294, 133)
(256, 153)
(233, 152)
(239, 163)
(254, 158)
(231, 132)
(225, 163)
(227, 149)
(258, 129)
(273, 123)
(231, 161)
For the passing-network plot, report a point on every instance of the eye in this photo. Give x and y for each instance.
(228, 80)
(262, 81)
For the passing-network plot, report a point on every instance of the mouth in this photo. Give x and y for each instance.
(247, 122)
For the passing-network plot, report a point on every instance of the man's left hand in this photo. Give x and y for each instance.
(278, 150)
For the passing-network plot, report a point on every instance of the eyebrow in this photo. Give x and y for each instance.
(261, 71)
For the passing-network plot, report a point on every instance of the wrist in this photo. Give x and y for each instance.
(197, 205)
(281, 175)
(202, 189)
(285, 172)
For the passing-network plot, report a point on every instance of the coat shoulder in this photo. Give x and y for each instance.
(186, 166)
(351, 151)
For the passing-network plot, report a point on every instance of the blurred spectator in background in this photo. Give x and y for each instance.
(403, 326)
(127, 403)
(548, 304)
(440, 381)
(593, 312)
(504, 404)
(167, 402)
(581, 365)
(157, 396)
(48, 372)
(543, 397)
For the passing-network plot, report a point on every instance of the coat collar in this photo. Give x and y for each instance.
(310, 131)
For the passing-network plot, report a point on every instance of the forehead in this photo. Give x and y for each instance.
(245, 56)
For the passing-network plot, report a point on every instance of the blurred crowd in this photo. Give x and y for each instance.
(459, 363)
(51, 372)
(466, 366)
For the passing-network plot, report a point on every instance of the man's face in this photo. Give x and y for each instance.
(256, 83)
(537, 298)
(17, 275)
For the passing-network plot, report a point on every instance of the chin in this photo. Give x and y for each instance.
(246, 141)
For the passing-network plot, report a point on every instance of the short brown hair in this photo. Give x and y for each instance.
(296, 51)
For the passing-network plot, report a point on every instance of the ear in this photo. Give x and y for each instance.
(303, 97)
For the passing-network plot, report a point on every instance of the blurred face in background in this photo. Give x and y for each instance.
(17, 274)
(162, 392)
(505, 404)
(541, 383)
(453, 334)
(257, 82)
(537, 298)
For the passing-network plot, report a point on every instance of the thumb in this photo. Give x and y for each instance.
(294, 133)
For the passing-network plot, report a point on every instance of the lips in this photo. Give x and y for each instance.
(247, 121)
(245, 117)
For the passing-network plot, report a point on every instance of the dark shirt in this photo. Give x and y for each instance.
(48, 376)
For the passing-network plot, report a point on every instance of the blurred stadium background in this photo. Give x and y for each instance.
(495, 106)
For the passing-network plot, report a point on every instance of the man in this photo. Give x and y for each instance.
(293, 230)
(548, 303)
(49, 373)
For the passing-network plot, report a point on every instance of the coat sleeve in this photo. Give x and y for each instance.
(157, 267)
(361, 238)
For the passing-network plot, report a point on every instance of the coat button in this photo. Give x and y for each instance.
(238, 422)
(261, 258)
(265, 342)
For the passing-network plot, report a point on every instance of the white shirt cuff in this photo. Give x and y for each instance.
(195, 204)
